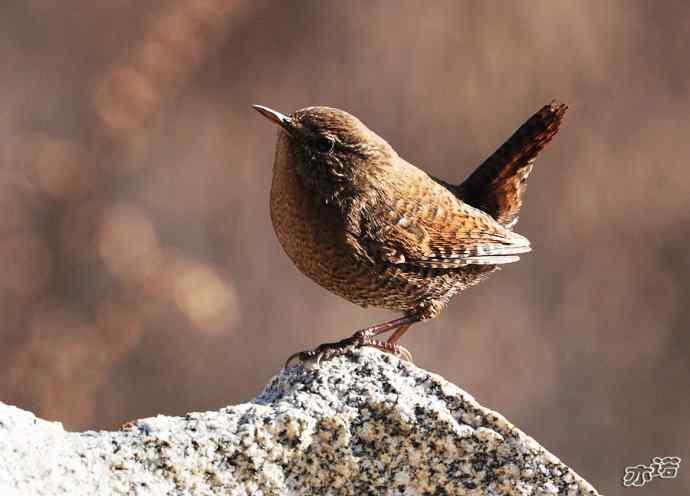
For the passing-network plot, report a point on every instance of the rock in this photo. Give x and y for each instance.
(365, 423)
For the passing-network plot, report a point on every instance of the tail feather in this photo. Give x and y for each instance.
(498, 184)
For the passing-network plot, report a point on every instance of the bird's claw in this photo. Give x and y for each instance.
(324, 351)
(327, 351)
(403, 353)
(394, 349)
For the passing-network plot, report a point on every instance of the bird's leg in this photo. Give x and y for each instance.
(395, 337)
(363, 337)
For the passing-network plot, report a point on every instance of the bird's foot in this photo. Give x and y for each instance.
(330, 350)
(392, 348)
(364, 337)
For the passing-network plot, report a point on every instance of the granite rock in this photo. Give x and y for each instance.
(364, 423)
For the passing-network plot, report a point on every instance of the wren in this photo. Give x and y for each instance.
(364, 223)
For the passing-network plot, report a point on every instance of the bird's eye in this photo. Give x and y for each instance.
(324, 145)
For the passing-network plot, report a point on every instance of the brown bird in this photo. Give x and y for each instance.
(364, 223)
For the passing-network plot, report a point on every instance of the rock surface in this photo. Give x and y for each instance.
(365, 423)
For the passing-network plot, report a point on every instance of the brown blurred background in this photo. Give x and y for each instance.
(140, 270)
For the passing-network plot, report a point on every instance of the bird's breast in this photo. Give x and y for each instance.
(310, 232)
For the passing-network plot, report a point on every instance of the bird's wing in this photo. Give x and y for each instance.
(431, 228)
(498, 184)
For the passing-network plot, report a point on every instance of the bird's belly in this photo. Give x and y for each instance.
(312, 235)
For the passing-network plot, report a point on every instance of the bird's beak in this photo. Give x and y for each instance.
(282, 120)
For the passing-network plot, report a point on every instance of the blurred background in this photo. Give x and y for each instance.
(140, 273)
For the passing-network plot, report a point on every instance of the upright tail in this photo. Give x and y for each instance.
(497, 185)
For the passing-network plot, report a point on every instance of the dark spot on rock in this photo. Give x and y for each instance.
(479, 462)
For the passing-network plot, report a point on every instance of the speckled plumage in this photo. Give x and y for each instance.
(369, 226)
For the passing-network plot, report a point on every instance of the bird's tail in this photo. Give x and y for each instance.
(497, 185)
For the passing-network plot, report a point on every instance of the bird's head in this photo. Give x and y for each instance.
(334, 153)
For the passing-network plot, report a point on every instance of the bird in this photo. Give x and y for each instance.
(369, 226)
